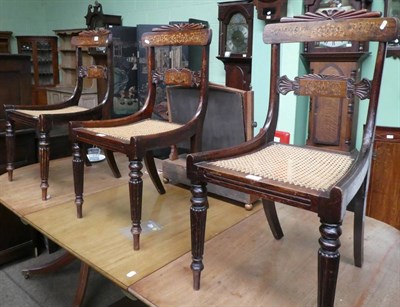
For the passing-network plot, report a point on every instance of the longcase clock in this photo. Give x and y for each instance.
(340, 134)
(235, 42)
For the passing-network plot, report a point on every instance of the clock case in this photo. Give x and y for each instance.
(237, 65)
(225, 12)
(271, 10)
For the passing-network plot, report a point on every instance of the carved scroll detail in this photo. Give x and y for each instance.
(363, 89)
(332, 14)
(94, 71)
(325, 85)
(184, 77)
(285, 85)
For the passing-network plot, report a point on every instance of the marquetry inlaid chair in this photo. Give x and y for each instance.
(313, 178)
(44, 118)
(139, 134)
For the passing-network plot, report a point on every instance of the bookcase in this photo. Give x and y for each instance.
(68, 72)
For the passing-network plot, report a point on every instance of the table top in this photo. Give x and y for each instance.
(102, 237)
(244, 264)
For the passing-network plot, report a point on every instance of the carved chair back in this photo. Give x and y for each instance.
(101, 40)
(329, 26)
(173, 36)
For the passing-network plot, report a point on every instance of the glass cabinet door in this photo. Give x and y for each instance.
(44, 63)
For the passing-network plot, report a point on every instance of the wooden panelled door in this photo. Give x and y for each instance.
(383, 201)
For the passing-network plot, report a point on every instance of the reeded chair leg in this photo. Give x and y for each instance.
(10, 147)
(198, 217)
(272, 218)
(359, 202)
(44, 160)
(152, 170)
(77, 166)
(135, 195)
(328, 263)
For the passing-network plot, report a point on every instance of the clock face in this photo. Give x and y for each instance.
(326, 5)
(237, 35)
(333, 44)
(334, 4)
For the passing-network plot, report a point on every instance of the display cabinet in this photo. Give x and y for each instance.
(44, 63)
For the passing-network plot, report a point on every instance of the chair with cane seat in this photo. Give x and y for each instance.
(313, 178)
(45, 118)
(139, 134)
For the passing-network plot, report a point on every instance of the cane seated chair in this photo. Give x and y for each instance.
(320, 180)
(139, 134)
(44, 118)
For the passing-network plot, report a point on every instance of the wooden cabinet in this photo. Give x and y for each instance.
(5, 37)
(44, 63)
(383, 202)
(15, 88)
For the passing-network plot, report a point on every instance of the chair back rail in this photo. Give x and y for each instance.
(92, 39)
(332, 25)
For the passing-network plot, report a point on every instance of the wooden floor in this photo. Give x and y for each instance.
(244, 264)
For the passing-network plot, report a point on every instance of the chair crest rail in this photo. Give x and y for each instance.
(178, 34)
(333, 26)
(92, 38)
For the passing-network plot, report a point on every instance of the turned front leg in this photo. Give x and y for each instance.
(77, 166)
(44, 160)
(328, 263)
(10, 147)
(198, 216)
(135, 194)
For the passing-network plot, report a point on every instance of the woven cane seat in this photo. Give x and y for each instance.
(145, 127)
(304, 167)
(37, 113)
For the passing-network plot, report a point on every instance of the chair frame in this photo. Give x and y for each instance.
(330, 205)
(140, 147)
(44, 123)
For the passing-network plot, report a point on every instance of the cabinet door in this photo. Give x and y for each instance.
(44, 63)
(384, 190)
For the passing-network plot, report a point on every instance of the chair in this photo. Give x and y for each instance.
(45, 118)
(316, 179)
(138, 135)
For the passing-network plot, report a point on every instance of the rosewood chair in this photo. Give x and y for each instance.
(138, 135)
(317, 179)
(45, 118)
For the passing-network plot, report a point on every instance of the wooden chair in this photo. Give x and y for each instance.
(315, 179)
(138, 135)
(45, 118)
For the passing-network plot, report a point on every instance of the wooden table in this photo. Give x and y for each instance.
(257, 271)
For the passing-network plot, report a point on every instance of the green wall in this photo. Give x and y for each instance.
(40, 17)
